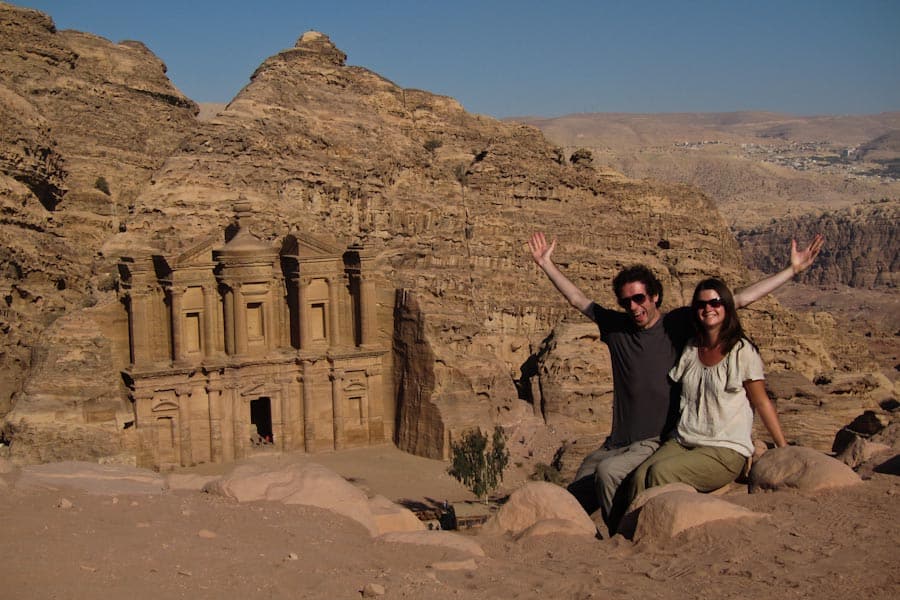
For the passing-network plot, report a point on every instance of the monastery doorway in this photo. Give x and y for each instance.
(165, 440)
(261, 421)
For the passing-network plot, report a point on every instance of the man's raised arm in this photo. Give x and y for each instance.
(800, 260)
(541, 253)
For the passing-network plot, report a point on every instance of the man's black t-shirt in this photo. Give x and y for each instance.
(645, 401)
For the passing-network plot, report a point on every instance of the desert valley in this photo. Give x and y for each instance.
(241, 341)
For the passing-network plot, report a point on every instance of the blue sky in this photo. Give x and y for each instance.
(507, 58)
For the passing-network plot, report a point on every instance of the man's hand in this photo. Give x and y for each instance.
(801, 259)
(540, 250)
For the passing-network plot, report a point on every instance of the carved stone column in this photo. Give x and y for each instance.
(228, 422)
(240, 321)
(239, 425)
(183, 393)
(139, 319)
(269, 315)
(216, 447)
(176, 296)
(367, 311)
(210, 322)
(334, 321)
(287, 416)
(228, 326)
(337, 407)
(375, 401)
(302, 313)
(309, 425)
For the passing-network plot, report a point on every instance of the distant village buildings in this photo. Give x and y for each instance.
(242, 347)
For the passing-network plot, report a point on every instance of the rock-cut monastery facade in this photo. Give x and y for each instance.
(244, 347)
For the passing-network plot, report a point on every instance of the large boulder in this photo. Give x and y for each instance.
(667, 513)
(539, 501)
(629, 521)
(799, 468)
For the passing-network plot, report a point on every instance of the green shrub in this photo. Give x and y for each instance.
(433, 144)
(545, 472)
(478, 464)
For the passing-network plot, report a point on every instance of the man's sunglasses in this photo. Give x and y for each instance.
(713, 302)
(637, 299)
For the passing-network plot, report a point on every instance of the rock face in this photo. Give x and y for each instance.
(440, 199)
(863, 248)
(74, 108)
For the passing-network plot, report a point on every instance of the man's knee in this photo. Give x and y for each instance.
(609, 474)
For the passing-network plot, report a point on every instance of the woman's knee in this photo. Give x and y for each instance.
(661, 473)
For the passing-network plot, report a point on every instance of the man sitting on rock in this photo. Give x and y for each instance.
(644, 343)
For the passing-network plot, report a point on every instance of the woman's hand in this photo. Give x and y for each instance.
(801, 259)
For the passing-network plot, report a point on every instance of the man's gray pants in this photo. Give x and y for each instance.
(602, 472)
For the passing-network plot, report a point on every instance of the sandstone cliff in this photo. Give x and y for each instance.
(863, 245)
(74, 108)
(443, 198)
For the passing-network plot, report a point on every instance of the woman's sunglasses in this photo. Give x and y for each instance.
(713, 303)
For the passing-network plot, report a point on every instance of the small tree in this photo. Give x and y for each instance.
(432, 144)
(102, 185)
(582, 158)
(479, 466)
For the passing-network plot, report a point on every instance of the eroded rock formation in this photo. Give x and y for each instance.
(863, 245)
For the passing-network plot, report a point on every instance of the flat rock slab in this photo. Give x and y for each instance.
(314, 485)
(804, 469)
(447, 539)
(92, 478)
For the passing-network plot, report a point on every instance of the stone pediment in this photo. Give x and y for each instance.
(304, 246)
(199, 254)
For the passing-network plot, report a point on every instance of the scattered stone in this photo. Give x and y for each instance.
(373, 590)
(292, 556)
(800, 468)
(64, 503)
(537, 501)
(668, 514)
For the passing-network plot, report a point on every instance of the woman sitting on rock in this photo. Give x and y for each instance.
(722, 382)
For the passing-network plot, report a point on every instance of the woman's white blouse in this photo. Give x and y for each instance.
(715, 410)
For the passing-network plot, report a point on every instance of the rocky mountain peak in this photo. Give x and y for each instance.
(317, 44)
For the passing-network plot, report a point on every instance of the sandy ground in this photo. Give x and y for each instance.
(179, 544)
